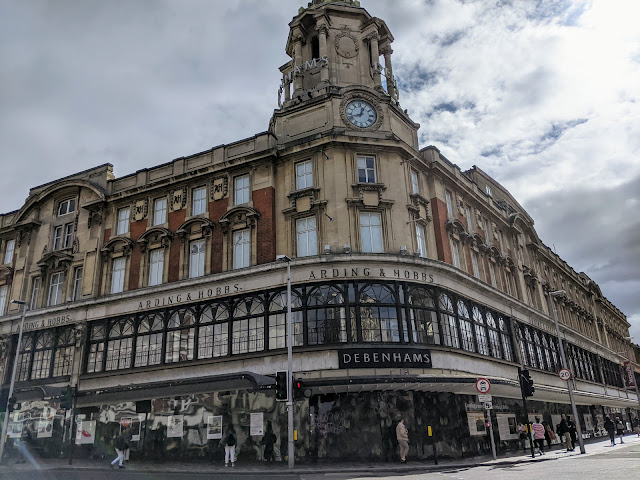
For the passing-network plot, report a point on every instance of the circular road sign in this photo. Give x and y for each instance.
(483, 385)
(565, 374)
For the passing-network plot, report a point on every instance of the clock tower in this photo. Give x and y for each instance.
(340, 76)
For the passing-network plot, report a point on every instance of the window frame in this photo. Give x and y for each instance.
(370, 231)
(123, 223)
(59, 287)
(455, 253)
(69, 202)
(120, 277)
(304, 180)
(156, 267)
(9, 251)
(77, 284)
(241, 189)
(306, 237)
(4, 294)
(200, 256)
(448, 198)
(199, 200)
(415, 182)
(36, 283)
(159, 211)
(244, 249)
(369, 173)
(421, 240)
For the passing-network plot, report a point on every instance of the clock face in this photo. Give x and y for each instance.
(362, 114)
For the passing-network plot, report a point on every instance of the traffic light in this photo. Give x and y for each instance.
(526, 384)
(298, 389)
(12, 404)
(66, 398)
(281, 386)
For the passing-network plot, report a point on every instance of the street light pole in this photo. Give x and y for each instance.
(291, 449)
(563, 359)
(5, 423)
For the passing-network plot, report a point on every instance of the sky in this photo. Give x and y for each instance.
(544, 95)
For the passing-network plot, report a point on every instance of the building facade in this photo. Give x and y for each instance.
(159, 298)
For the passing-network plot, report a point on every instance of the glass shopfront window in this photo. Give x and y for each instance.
(248, 325)
(449, 321)
(149, 340)
(422, 312)
(377, 307)
(213, 332)
(278, 319)
(326, 315)
(181, 334)
(119, 345)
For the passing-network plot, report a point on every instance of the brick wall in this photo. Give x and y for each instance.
(264, 203)
(439, 209)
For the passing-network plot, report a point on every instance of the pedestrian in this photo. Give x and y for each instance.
(229, 441)
(269, 440)
(563, 432)
(402, 434)
(522, 435)
(636, 426)
(572, 432)
(121, 443)
(611, 429)
(620, 428)
(549, 435)
(538, 435)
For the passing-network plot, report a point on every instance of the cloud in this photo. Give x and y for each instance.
(544, 96)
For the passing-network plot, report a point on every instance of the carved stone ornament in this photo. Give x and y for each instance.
(179, 199)
(155, 236)
(95, 216)
(245, 216)
(346, 44)
(367, 98)
(219, 188)
(140, 209)
(79, 334)
(5, 347)
(75, 247)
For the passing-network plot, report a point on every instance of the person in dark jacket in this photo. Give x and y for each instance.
(269, 440)
(611, 429)
(121, 443)
(563, 431)
(572, 432)
(230, 441)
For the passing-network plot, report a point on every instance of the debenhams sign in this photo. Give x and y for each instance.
(384, 357)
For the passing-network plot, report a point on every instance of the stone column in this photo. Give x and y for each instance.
(391, 89)
(375, 60)
(323, 34)
(297, 62)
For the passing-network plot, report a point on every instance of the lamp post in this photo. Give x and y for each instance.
(563, 359)
(5, 423)
(285, 258)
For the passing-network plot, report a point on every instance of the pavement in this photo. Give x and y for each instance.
(278, 469)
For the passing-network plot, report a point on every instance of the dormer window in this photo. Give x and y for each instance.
(67, 206)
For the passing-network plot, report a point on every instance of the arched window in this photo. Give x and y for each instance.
(521, 343)
(24, 359)
(181, 334)
(465, 327)
(540, 356)
(119, 346)
(494, 340)
(149, 340)
(505, 336)
(97, 339)
(63, 356)
(422, 312)
(43, 350)
(547, 354)
(378, 314)
(278, 319)
(326, 316)
(248, 325)
(213, 332)
(449, 321)
(481, 331)
(554, 353)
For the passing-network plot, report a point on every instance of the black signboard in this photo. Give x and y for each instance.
(384, 357)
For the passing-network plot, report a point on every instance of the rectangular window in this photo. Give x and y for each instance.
(117, 275)
(68, 235)
(77, 284)
(474, 263)
(8, 252)
(241, 249)
(492, 274)
(304, 175)
(371, 232)
(56, 283)
(67, 206)
(199, 201)
(415, 187)
(467, 212)
(241, 189)
(159, 211)
(156, 266)
(123, 221)
(447, 196)
(488, 190)
(422, 243)
(306, 236)
(35, 291)
(456, 254)
(57, 238)
(501, 240)
(3, 298)
(366, 170)
(196, 259)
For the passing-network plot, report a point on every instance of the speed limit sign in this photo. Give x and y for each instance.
(565, 374)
